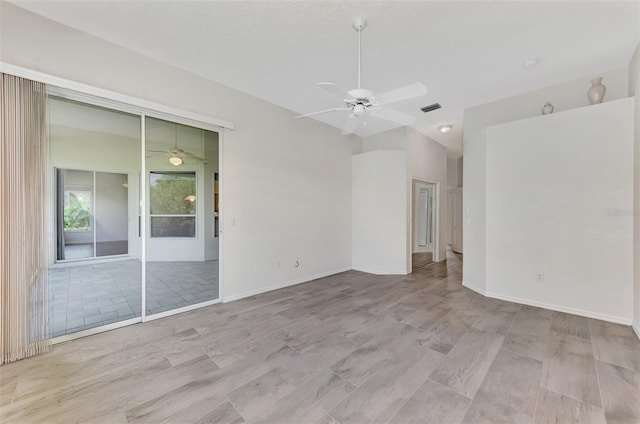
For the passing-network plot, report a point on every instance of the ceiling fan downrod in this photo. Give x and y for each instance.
(358, 25)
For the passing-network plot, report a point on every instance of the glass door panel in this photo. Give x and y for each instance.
(95, 157)
(181, 244)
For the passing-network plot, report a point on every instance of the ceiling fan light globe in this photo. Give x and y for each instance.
(358, 109)
(175, 161)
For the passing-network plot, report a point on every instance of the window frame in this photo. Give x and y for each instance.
(194, 215)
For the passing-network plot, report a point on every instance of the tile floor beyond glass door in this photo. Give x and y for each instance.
(91, 295)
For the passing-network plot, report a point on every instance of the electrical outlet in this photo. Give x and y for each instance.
(539, 277)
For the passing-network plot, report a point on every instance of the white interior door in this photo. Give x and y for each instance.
(456, 220)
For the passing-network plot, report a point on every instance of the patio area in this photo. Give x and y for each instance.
(84, 296)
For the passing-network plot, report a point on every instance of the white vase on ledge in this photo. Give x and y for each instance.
(596, 92)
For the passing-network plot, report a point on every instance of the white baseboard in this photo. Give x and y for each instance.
(368, 271)
(636, 329)
(552, 307)
(560, 308)
(284, 284)
(473, 287)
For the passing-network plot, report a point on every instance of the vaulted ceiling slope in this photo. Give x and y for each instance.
(466, 53)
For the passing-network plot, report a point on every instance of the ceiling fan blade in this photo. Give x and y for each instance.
(159, 151)
(402, 93)
(334, 89)
(336, 109)
(192, 156)
(395, 116)
(350, 125)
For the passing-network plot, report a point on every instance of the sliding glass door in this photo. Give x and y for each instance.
(135, 236)
(181, 242)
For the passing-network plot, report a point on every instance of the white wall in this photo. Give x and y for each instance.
(286, 183)
(474, 210)
(634, 90)
(395, 139)
(569, 95)
(554, 188)
(454, 172)
(380, 212)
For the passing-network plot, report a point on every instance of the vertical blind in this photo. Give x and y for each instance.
(24, 329)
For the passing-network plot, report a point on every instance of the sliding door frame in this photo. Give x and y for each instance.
(71, 90)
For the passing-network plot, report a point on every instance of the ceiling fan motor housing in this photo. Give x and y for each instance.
(361, 94)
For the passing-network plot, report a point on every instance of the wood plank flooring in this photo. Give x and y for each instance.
(350, 348)
(420, 260)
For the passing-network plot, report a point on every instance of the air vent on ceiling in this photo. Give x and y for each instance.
(430, 107)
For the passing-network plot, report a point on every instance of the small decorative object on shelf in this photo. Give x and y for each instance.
(597, 90)
(547, 108)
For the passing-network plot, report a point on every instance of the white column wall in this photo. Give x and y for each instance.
(380, 212)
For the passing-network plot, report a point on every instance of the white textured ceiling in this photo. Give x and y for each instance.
(466, 53)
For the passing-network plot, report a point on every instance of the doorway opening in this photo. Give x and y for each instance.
(423, 234)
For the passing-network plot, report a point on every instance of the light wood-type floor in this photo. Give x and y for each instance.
(420, 260)
(351, 348)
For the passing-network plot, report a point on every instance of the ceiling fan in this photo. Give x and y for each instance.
(362, 102)
(177, 155)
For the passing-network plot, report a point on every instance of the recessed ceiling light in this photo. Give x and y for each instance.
(530, 64)
(445, 128)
